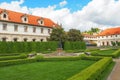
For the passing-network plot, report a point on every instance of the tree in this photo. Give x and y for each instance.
(75, 35)
(58, 34)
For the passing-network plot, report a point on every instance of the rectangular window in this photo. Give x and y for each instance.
(34, 29)
(15, 27)
(42, 30)
(4, 26)
(49, 31)
(25, 28)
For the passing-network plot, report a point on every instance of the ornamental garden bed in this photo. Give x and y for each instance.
(114, 53)
(64, 68)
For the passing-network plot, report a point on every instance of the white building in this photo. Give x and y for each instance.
(15, 26)
(108, 36)
(104, 38)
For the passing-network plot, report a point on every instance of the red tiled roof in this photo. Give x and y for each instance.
(32, 20)
(110, 31)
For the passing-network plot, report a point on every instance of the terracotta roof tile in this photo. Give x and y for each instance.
(32, 20)
(110, 31)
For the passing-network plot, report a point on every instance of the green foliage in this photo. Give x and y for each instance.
(107, 53)
(94, 71)
(16, 62)
(26, 47)
(74, 45)
(74, 35)
(39, 57)
(58, 34)
(116, 54)
(113, 43)
(59, 70)
(21, 56)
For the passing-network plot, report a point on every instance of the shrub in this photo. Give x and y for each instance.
(22, 56)
(74, 45)
(94, 71)
(15, 62)
(116, 54)
(39, 57)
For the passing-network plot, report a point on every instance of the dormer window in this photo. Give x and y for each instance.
(41, 21)
(25, 18)
(4, 15)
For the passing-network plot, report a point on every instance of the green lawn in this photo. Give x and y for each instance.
(56, 70)
(106, 52)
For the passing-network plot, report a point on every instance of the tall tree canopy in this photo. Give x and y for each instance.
(75, 35)
(58, 34)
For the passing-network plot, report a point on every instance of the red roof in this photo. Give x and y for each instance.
(110, 31)
(32, 20)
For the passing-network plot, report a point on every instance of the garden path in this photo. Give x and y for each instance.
(115, 74)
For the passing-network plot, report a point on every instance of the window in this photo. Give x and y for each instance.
(25, 28)
(41, 40)
(25, 19)
(42, 30)
(49, 31)
(4, 39)
(15, 27)
(4, 26)
(4, 16)
(34, 29)
(15, 39)
(41, 22)
(115, 35)
(34, 40)
(25, 39)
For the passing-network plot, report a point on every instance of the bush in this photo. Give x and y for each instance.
(22, 56)
(94, 71)
(23, 47)
(39, 57)
(16, 62)
(116, 54)
(74, 45)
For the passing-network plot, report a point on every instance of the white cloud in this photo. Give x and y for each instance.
(63, 3)
(15, 6)
(98, 13)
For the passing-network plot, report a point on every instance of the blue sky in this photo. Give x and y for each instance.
(78, 14)
(73, 5)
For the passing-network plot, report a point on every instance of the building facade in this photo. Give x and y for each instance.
(15, 26)
(105, 38)
(109, 36)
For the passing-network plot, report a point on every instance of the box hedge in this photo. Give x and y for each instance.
(94, 71)
(21, 56)
(113, 55)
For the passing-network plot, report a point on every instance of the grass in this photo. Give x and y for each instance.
(57, 70)
(107, 71)
(106, 52)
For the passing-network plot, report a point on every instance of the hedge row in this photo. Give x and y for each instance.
(26, 47)
(94, 71)
(21, 56)
(74, 45)
(41, 58)
(22, 47)
(113, 55)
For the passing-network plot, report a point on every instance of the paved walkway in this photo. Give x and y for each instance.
(115, 74)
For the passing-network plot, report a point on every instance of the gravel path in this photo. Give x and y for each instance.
(115, 74)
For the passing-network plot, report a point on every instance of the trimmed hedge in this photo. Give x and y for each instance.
(16, 62)
(21, 56)
(74, 45)
(94, 71)
(26, 47)
(113, 55)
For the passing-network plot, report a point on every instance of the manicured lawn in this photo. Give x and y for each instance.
(56, 70)
(106, 52)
